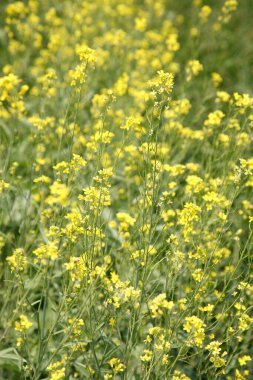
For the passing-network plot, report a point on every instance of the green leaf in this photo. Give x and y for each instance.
(10, 357)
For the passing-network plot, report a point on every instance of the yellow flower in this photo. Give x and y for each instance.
(214, 118)
(23, 324)
(47, 251)
(3, 185)
(120, 87)
(193, 68)
(140, 24)
(244, 360)
(116, 365)
(194, 184)
(244, 322)
(159, 304)
(125, 220)
(204, 13)
(11, 96)
(162, 84)
(195, 327)
(216, 79)
(146, 356)
(228, 8)
(215, 357)
(57, 369)
(17, 261)
(223, 96)
(86, 54)
(96, 197)
(178, 375)
(42, 179)
(59, 193)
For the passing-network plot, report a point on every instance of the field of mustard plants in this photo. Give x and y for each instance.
(126, 176)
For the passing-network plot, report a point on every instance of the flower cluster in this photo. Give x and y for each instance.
(126, 174)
